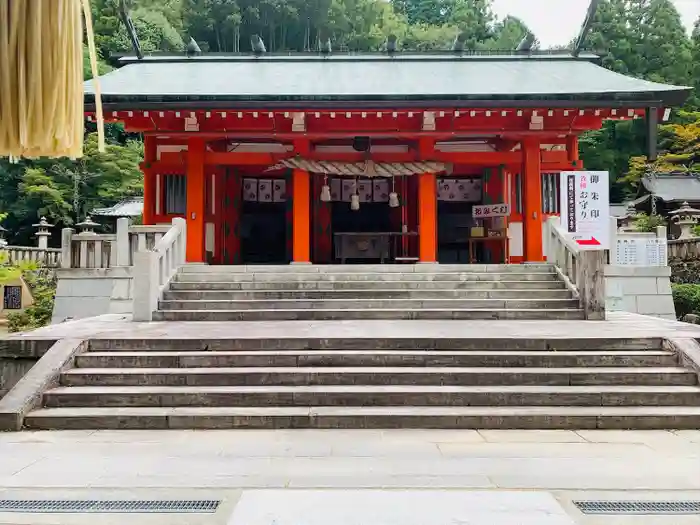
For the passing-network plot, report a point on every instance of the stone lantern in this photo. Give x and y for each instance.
(3, 241)
(87, 226)
(627, 223)
(685, 217)
(43, 233)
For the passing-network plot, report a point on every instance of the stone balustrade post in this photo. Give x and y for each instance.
(590, 280)
(146, 285)
(67, 247)
(123, 248)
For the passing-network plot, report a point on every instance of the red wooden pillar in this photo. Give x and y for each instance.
(572, 153)
(196, 200)
(427, 218)
(532, 200)
(150, 146)
(301, 224)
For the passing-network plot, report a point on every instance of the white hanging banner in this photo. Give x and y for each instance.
(585, 208)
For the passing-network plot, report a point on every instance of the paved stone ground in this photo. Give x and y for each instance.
(235, 465)
(618, 324)
(265, 477)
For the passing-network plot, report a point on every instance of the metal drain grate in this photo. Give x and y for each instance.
(109, 506)
(638, 507)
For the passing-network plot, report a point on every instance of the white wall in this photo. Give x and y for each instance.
(89, 292)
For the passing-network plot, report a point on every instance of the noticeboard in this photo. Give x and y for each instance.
(12, 298)
(585, 208)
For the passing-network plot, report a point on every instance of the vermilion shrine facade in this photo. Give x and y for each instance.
(321, 159)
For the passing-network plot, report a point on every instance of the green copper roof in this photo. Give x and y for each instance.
(410, 79)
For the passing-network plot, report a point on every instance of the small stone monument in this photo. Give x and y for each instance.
(685, 217)
(43, 233)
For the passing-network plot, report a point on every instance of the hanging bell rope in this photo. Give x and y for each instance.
(41, 78)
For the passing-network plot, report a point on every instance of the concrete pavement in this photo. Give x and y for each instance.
(553, 466)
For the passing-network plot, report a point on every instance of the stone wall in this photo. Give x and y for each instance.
(639, 289)
(87, 292)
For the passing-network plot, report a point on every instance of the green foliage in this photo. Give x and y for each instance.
(648, 223)
(154, 30)
(8, 272)
(42, 284)
(64, 191)
(686, 298)
(646, 39)
(102, 68)
(684, 271)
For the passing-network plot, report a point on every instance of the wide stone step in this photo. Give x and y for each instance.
(364, 277)
(391, 358)
(226, 396)
(370, 268)
(526, 417)
(489, 341)
(475, 376)
(355, 314)
(268, 295)
(226, 285)
(370, 304)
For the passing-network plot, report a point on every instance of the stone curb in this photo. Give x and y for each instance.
(688, 350)
(27, 393)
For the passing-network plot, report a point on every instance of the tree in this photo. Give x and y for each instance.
(507, 34)
(432, 12)
(662, 50)
(695, 72)
(611, 36)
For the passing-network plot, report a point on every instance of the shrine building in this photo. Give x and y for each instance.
(450, 158)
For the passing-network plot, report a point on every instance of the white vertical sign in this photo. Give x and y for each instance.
(585, 208)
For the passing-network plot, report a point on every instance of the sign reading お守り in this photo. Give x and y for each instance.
(585, 208)
(490, 210)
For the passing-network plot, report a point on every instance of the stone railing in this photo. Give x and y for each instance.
(684, 249)
(101, 250)
(583, 271)
(46, 257)
(155, 267)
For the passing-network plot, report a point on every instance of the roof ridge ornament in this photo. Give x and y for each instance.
(130, 29)
(458, 45)
(257, 45)
(585, 28)
(528, 43)
(391, 44)
(192, 48)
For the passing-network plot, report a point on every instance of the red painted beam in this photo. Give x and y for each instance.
(489, 158)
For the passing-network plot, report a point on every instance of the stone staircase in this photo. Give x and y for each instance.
(277, 293)
(372, 383)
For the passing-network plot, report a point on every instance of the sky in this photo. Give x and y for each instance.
(557, 22)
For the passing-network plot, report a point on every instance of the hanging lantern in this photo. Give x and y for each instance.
(325, 191)
(355, 202)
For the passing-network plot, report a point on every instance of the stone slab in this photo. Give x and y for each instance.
(367, 507)
(619, 325)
